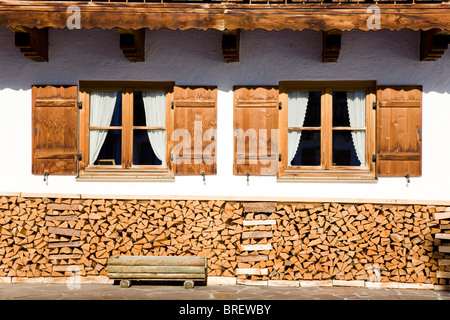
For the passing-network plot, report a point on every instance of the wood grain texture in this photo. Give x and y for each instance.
(54, 131)
(399, 130)
(232, 16)
(195, 114)
(256, 130)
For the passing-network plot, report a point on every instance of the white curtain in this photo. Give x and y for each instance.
(102, 105)
(155, 116)
(356, 103)
(297, 104)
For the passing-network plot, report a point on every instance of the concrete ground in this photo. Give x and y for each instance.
(43, 291)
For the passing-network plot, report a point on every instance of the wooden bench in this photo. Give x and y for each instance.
(157, 268)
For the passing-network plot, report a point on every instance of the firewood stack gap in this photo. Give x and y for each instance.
(48, 237)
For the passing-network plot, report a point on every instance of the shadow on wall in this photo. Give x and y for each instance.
(195, 57)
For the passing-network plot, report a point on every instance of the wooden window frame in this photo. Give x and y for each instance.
(126, 170)
(326, 171)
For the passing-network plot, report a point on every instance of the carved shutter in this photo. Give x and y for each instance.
(194, 130)
(256, 130)
(399, 131)
(54, 129)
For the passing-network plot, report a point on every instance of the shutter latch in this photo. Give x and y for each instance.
(374, 105)
(374, 157)
(80, 105)
(79, 156)
(280, 105)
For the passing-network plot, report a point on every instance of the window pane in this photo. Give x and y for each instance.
(138, 109)
(308, 151)
(111, 149)
(149, 108)
(349, 109)
(312, 117)
(349, 148)
(143, 151)
(105, 109)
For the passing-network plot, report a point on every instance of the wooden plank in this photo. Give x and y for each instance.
(252, 271)
(445, 249)
(157, 261)
(267, 222)
(444, 236)
(252, 258)
(157, 276)
(260, 207)
(62, 206)
(441, 215)
(54, 128)
(203, 16)
(256, 247)
(156, 269)
(64, 268)
(64, 256)
(64, 231)
(256, 134)
(444, 262)
(443, 274)
(256, 234)
(195, 110)
(68, 217)
(65, 244)
(399, 129)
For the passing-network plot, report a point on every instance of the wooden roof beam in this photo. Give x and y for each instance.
(331, 45)
(433, 44)
(32, 42)
(132, 43)
(230, 45)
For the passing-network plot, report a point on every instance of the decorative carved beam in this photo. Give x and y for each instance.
(331, 45)
(299, 16)
(32, 42)
(230, 45)
(433, 44)
(132, 43)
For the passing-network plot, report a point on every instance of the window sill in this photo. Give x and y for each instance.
(328, 177)
(128, 175)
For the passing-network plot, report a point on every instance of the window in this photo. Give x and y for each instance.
(126, 126)
(146, 130)
(327, 129)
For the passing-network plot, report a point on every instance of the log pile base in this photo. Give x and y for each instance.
(45, 237)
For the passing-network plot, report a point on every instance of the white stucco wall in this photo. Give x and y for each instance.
(195, 58)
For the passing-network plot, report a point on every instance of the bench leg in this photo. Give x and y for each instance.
(188, 284)
(125, 283)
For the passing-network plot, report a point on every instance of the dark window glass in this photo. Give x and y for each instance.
(111, 151)
(116, 120)
(340, 109)
(138, 110)
(308, 152)
(143, 153)
(312, 117)
(344, 153)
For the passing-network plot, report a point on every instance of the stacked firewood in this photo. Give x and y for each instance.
(42, 237)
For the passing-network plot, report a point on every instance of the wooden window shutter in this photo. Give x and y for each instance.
(54, 142)
(193, 141)
(256, 130)
(399, 131)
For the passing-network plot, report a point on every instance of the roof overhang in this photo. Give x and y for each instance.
(225, 16)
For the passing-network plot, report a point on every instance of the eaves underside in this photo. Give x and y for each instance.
(226, 16)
